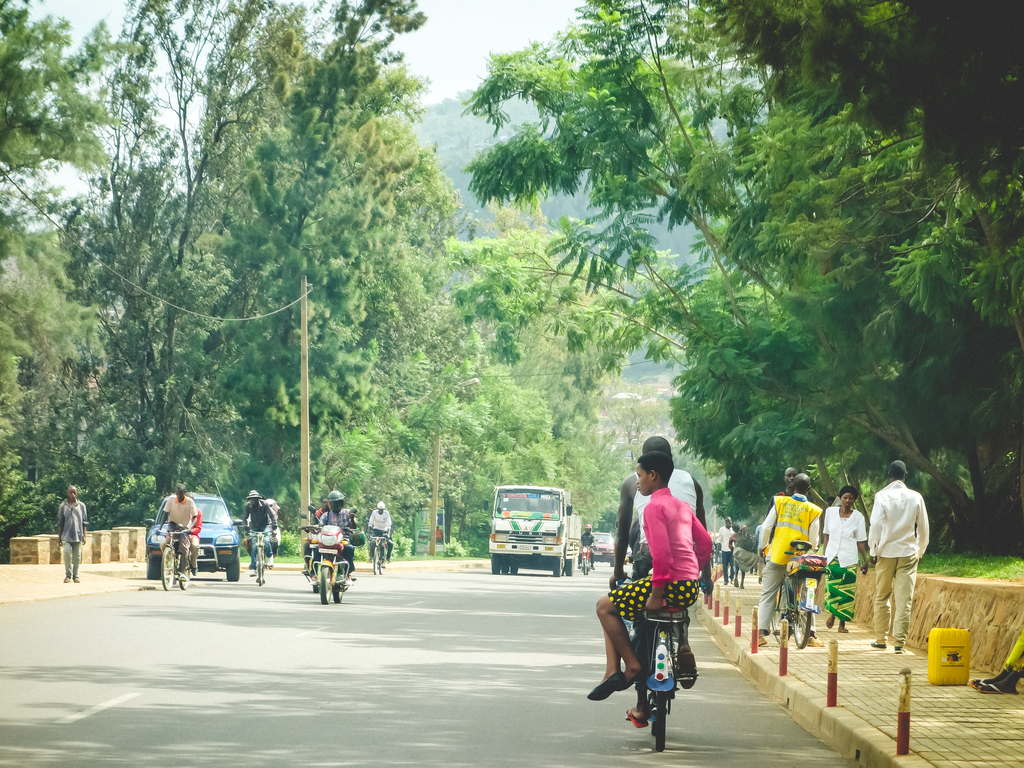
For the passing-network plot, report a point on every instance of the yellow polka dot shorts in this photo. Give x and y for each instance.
(631, 599)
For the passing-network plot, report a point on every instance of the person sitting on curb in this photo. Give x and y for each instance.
(1006, 681)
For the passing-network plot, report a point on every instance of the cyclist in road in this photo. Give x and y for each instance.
(380, 524)
(275, 539)
(181, 514)
(792, 518)
(337, 515)
(258, 516)
(679, 550)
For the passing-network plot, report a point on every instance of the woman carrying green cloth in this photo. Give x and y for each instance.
(845, 541)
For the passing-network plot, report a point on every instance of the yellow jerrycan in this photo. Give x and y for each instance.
(949, 656)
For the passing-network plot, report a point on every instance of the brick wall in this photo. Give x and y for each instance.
(30, 550)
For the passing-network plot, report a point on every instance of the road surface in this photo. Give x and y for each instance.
(426, 669)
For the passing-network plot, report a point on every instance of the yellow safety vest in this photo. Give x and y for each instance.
(793, 524)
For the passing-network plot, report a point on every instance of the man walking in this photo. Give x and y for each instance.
(725, 540)
(897, 541)
(72, 522)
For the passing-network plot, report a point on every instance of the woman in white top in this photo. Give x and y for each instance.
(845, 542)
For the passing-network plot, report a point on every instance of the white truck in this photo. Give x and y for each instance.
(533, 527)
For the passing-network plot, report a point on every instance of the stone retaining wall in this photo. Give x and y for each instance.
(30, 550)
(993, 611)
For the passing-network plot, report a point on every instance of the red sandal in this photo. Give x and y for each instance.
(636, 721)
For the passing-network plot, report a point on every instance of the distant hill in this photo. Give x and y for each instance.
(459, 137)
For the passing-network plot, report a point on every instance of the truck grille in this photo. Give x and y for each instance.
(525, 537)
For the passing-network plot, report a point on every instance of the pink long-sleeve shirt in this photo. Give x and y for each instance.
(668, 525)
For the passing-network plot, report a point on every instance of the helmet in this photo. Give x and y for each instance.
(380, 505)
(587, 526)
(336, 499)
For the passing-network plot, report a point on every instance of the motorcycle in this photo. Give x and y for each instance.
(332, 573)
(586, 564)
(312, 556)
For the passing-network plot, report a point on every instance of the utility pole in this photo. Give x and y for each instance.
(432, 526)
(304, 499)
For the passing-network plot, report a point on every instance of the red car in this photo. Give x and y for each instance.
(603, 550)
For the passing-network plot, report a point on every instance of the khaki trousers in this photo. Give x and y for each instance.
(894, 577)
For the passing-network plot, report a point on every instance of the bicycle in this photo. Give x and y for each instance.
(795, 600)
(658, 636)
(174, 565)
(378, 553)
(258, 540)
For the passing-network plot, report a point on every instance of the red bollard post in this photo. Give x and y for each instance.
(725, 610)
(718, 603)
(784, 649)
(832, 692)
(754, 631)
(903, 717)
(739, 616)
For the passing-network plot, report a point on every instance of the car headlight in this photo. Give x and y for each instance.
(225, 539)
(549, 539)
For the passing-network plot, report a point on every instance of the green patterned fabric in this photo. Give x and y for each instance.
(842, 586)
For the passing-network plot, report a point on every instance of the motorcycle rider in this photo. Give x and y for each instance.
(587, 540)
(337, 515)
(258, 516)
(380, 525)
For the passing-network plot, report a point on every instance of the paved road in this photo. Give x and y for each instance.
(452, 669)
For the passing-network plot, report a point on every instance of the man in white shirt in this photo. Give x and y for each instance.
(724, 541)
(380, 524)
(897, 541)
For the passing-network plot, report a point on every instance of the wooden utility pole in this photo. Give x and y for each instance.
(432, 525)
(304, 499)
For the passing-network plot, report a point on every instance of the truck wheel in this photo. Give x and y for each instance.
(569, 563)
(233, 570)
(556, 569)
(513, 569)
(495, 565)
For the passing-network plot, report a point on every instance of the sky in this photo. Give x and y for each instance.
(451, 49)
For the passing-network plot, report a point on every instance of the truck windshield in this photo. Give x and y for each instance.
(527, 504)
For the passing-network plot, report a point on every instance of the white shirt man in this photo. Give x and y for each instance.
(897, 540)
(380, 519)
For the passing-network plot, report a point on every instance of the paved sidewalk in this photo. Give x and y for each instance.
(26, 583)
(951, 726)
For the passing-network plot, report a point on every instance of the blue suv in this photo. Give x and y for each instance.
(218, 538)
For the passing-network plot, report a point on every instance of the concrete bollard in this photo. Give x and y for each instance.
(718, 602)
(725, 609)
(118, 545)
(56, 549)
(903, 716)
(100, 541)
(754, 631)
(833, 674)
(784, 649)
(739, 616)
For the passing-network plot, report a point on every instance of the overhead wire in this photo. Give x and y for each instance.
(135, 285)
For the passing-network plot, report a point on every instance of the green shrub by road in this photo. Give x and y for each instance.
(973, 566)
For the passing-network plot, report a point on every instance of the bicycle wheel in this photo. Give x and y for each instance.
(660, 712)
(183, 572)
(167, 568)
(778, 612)
(261, 566)
(803, 617)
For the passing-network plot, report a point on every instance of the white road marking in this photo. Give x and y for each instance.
(309, 632)
(419, 603)
(98, 708)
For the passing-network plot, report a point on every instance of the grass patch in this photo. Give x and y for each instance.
(973, 566)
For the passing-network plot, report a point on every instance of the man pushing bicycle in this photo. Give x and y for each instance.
(793, 518)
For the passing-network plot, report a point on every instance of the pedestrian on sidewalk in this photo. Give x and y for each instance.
(793, 518)
(898, 540)
(1006, 680)
(72, 525)
(728, 564)
(845, 544)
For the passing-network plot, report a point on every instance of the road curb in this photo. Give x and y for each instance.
(851, 737)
